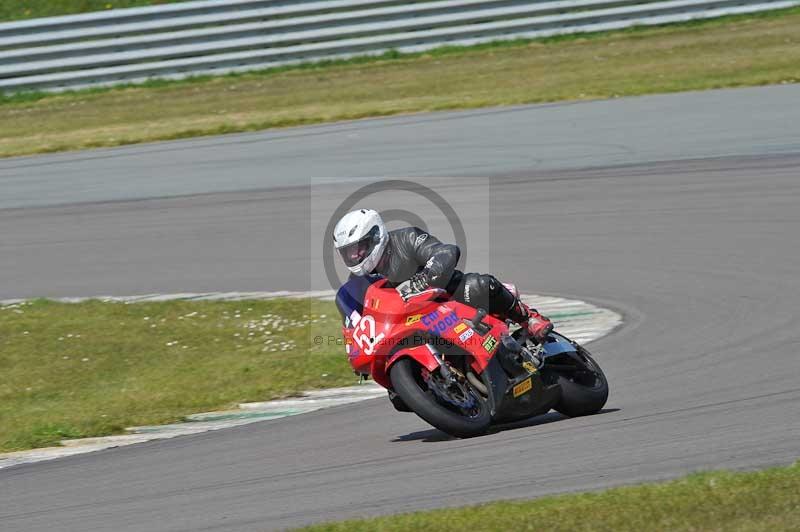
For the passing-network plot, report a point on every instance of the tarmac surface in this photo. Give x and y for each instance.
(682, 212)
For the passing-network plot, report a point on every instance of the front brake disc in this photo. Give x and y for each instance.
(444, 391)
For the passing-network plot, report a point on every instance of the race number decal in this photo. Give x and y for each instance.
(365, 336)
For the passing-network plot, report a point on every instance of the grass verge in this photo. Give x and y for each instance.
(94, 368)
(738, 51)
(25, 9)
(766, 500)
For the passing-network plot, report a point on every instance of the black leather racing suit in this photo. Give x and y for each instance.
(412, 251)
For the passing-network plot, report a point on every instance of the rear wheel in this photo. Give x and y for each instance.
(584, 389)
(454, 407)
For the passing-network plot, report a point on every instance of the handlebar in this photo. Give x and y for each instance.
(425, 295)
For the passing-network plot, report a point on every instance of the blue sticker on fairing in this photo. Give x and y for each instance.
(436, 323)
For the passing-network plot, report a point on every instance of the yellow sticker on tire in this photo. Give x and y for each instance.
(523, 387)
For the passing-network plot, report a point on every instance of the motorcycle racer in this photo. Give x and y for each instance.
(413, 260)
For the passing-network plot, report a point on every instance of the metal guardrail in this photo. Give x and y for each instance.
(217, 37)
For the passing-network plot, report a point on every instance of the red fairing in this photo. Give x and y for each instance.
(420, 353)
(385, 331)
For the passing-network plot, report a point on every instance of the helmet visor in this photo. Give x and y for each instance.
(354, 253)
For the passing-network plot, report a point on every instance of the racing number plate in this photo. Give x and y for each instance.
(523, 387)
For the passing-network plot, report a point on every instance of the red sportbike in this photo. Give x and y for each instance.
(460, 369)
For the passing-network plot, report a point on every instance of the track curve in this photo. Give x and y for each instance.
(699, 255)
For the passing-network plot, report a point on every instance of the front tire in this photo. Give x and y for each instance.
(585, 391)
(408, 382)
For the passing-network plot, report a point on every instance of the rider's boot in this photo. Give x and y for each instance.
(538, 326)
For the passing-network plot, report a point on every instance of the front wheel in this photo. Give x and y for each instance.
(452, 407)
(584, 389)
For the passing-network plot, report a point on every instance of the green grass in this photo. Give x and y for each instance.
(737, 51)
(25, 9)
(94, 368)
(766, 500)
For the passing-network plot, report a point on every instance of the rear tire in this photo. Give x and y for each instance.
(578, 396)
(407, 382)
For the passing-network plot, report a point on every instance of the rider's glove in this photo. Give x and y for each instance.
(416, 284)
(419, 282)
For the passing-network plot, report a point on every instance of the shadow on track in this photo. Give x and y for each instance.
(436, 435)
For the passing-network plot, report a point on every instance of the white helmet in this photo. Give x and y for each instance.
(360, 237)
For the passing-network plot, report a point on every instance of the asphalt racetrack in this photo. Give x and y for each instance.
(682, 212)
